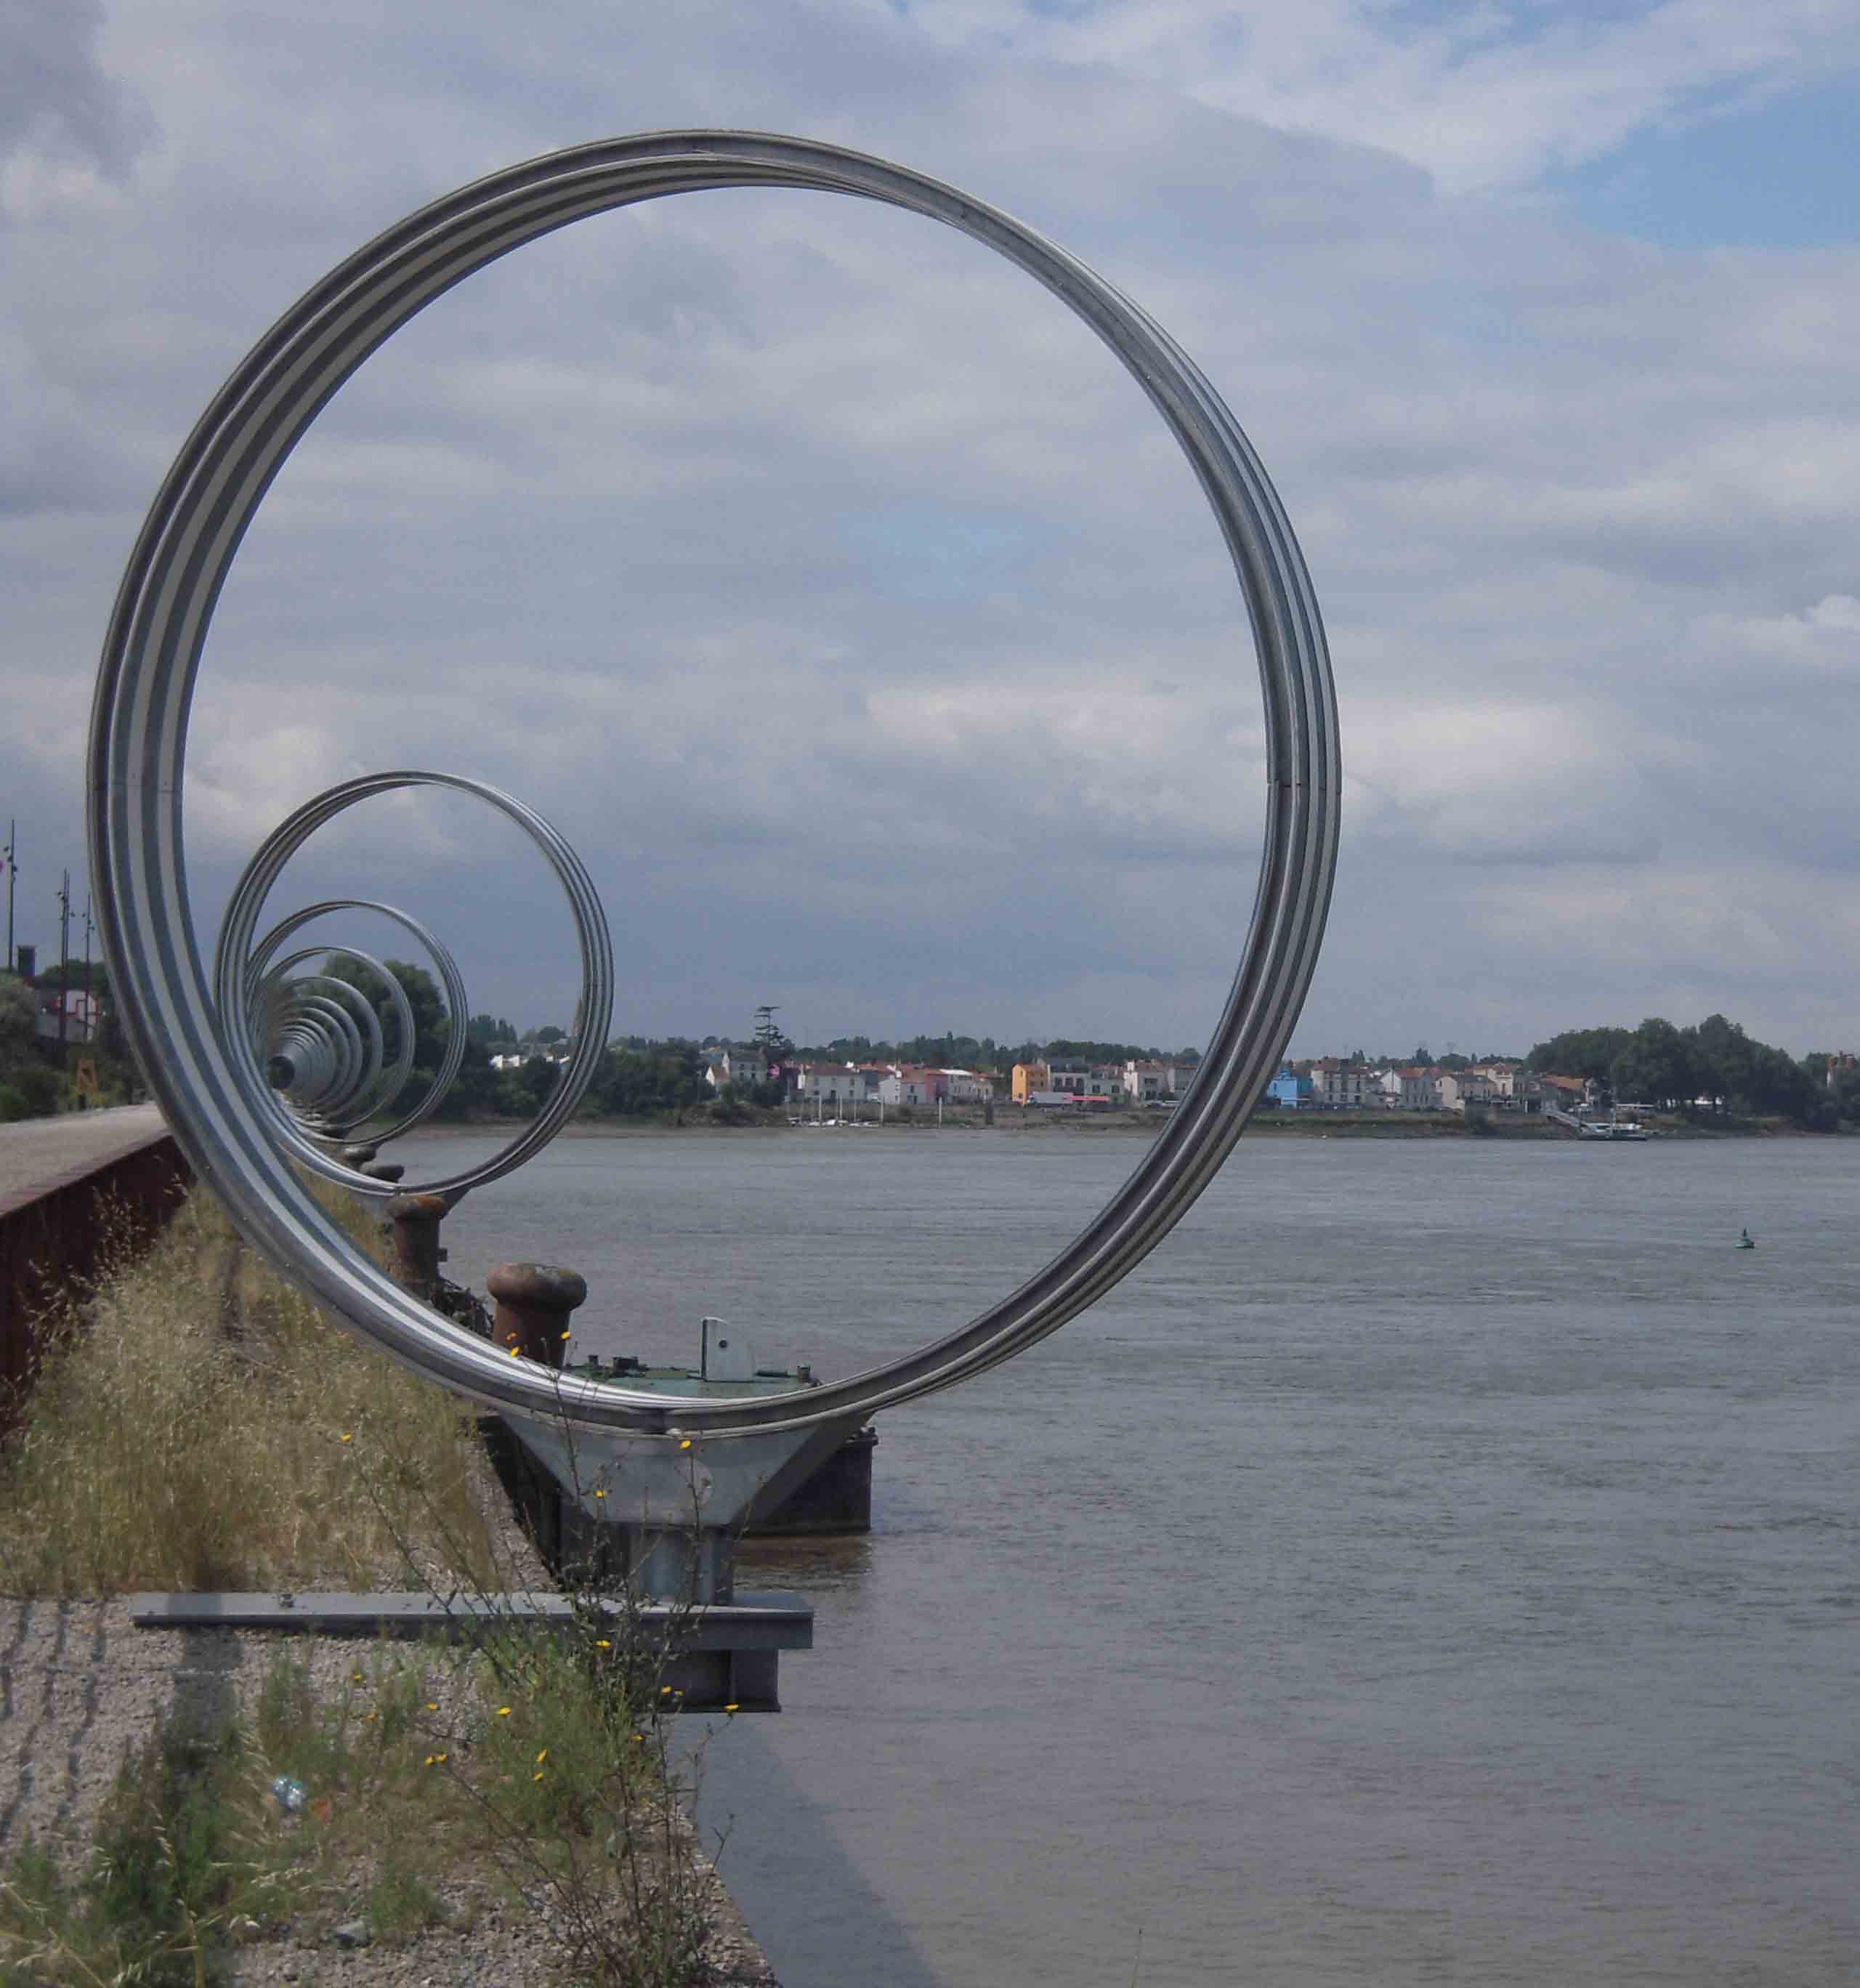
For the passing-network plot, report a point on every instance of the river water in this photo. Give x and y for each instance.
(1438, 1564)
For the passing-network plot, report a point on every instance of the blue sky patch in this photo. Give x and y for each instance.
(1784, 174)
(928, 552)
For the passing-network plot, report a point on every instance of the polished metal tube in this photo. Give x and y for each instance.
(208, 1081)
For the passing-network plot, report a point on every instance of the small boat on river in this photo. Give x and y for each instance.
(1613, 1131)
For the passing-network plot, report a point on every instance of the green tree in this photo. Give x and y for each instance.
(40, 1086)
(18, 1021)
(431, 1024)
(1843, 1096)
(1657, 1066)
(1589, 1052)
(538, 1079)
(655, 1079)
(1778, 1084)
(1725, 1062)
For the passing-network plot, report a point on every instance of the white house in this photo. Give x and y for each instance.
(834, 1087)
(1458, 1088)
(913, 1084)
(1145, 1080)
(1344, 1087)
(1411, 1088)
(742, 1067)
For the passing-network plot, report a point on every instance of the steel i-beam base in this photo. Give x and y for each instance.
(725, 1657)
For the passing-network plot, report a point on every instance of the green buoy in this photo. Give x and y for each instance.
(1744, 1241)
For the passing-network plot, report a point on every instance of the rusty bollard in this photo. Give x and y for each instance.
(415, 1220)
(533, 1303)
(358, 1156)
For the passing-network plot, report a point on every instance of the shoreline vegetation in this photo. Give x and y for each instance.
(1012, 1121)
(254, 1807)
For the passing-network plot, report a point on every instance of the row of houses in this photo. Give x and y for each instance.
(1069, 1081)
(841, 1087)
(1331, 1083)
(1058, 1082)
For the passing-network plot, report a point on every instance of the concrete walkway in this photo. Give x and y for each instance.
(37, 1153)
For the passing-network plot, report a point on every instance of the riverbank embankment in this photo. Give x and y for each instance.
(502, 1810)
(82, 1689)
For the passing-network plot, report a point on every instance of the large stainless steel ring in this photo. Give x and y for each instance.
(238, 958)
(152, 653)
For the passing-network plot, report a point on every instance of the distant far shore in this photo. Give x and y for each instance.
(1011, 1119)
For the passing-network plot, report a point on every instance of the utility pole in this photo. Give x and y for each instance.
(13, 870)
(64, 963)
(90, 999)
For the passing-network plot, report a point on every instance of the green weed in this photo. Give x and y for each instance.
(181, 1852)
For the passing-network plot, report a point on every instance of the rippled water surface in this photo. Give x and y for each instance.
(1438, 1564)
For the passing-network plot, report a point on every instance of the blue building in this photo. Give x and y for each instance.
(1289, 1093)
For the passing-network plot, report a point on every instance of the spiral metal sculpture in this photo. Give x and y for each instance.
(240, 974)
(207, 1073)
(322, 1045)
(297, 1054)
(266, 983)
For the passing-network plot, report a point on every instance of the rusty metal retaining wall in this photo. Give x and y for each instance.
(60, 1230)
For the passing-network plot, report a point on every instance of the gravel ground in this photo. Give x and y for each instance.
(79, 1686)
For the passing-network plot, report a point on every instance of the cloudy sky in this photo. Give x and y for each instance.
(847, 605)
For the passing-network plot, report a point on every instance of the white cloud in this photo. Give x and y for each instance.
(1824, 641)
(853, 613)
(1483, 96)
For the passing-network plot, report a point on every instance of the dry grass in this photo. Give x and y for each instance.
(198, 1424)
